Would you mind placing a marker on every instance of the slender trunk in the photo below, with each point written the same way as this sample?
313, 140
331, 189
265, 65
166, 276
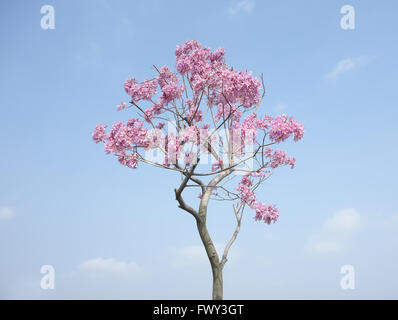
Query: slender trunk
217, 283
216, 267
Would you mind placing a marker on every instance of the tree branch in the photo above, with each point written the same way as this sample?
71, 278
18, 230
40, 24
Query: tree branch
235, 234
178, 192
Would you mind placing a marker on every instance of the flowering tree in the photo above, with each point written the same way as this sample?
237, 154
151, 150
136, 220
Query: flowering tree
202, 123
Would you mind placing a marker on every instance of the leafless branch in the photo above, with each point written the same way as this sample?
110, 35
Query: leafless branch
179, 191
238, 214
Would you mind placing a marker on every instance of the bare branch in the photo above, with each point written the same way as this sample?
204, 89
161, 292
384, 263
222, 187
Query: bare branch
235, 234
194, 179
179, 191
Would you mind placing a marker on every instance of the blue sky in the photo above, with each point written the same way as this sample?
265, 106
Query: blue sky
113, 232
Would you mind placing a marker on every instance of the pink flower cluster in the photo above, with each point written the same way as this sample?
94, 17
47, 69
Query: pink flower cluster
155, 138
249, 127
189, 134
197, 60
99, 134
130, 160
143, 91
194, 113
170, 90
169, 83
206, 69
238, 87
121, 106
247, 196
121, 139
245, 132
278, 158
282, 127
154, 110
225, 111
266, 213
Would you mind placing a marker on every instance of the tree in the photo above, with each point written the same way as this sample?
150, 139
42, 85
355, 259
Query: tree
211, 112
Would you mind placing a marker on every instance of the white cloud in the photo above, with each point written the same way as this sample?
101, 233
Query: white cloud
110, 267
346, 220
335, 233
188, 256
6, 213
325, 247
346, 65
245, 6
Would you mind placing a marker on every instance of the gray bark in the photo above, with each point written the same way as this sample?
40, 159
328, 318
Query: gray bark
216, 266
200, 217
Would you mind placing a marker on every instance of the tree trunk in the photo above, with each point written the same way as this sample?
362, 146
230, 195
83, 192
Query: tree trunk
217, 283
216, 267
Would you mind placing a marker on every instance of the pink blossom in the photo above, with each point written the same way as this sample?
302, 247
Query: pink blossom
99, 134
265, 213
143, 91
173, 148
217, 55
169, 84
261, 174
155, 139
156, 109
278, 158
282, 127
122, 137
129, 84
225, 111
264, 123
187, 47
121, 106
160, 125
129, 160
206, 69
239, 87
194, 113
189, 134
205, 138
246, 195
